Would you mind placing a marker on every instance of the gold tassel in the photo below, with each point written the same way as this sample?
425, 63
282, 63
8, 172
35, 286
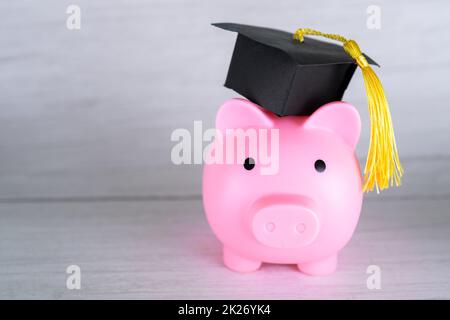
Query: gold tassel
383, 167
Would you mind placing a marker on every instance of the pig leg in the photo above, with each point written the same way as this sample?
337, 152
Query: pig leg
321, 267
238, 263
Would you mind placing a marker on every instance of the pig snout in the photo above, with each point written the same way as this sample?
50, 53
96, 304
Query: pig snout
284, 225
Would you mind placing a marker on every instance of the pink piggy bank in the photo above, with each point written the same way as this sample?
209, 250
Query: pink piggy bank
305, 211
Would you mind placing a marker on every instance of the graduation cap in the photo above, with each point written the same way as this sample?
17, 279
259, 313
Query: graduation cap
289, 74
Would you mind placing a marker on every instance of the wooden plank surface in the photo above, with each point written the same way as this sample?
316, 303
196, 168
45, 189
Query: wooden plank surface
91, 111
161, 249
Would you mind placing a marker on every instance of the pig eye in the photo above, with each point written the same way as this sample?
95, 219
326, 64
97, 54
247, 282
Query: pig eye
249, 164
320, 165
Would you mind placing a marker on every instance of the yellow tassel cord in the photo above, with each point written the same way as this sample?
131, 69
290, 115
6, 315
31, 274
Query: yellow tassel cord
383, 167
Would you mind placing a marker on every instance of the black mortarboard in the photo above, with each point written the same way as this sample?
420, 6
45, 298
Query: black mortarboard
291, 75
270, 68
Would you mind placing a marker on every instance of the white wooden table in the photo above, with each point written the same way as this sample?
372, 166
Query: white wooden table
85, 171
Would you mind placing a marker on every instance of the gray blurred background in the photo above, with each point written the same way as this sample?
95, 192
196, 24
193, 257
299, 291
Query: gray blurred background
85, 171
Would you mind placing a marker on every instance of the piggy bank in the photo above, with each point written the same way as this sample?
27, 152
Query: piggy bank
304, 210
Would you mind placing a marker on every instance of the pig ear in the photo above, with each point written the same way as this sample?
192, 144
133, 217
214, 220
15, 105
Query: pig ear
240, 113
339, 117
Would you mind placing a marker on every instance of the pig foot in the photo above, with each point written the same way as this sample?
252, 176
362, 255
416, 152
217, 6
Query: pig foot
319, 268
237, 263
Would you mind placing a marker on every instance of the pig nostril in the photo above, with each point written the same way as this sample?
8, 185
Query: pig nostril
270, 226
300, 228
